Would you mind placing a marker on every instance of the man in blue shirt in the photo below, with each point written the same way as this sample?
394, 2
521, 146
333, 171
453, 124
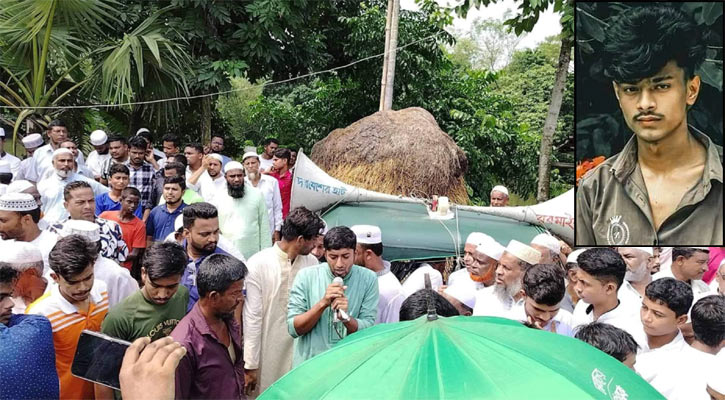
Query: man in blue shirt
162, 217
111, 201
27, 355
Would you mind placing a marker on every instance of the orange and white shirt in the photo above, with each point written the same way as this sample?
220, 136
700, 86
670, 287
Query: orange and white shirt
68, 322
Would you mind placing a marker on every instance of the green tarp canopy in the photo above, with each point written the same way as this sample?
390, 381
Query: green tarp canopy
410, 234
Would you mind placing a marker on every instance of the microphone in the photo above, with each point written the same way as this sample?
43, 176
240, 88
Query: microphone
335, 317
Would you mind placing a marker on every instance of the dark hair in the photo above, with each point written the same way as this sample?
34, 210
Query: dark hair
71, 255
7, 273
130, 191
641, 40
282, 153
74, 186
164, 259
179, 167
179, 180
117, 138
196, 146
269, 140
217, 272
676, 295
34, 214
416, 305
146, 135
118, 168
6, 178
616, 342
686, 252
301, 222
219, 135
708, 320
195, 211
138, 142
544, 283
56, 122
377, 248
340, 237
171, 138
604, 264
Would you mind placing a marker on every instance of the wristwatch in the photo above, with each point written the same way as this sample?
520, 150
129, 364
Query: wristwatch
346, 320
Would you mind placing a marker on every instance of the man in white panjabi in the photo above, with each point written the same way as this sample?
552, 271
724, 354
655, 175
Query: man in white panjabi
268, 347
503, 298
480, 257
638, 274
269, 186
548, 246
369, 254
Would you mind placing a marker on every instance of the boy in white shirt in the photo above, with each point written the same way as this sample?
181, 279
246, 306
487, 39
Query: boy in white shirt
544, 288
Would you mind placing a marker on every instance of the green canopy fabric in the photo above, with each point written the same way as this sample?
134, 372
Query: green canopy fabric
409, 234
460, 358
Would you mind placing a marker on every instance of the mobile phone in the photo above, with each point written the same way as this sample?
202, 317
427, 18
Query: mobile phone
98, 358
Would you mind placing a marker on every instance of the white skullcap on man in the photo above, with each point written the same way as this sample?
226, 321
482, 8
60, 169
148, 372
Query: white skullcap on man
4, 167
216, 157
647, 250
61, 150
499, 188
250, 154
491, 248
2, 133
523, 252
32, 141
231, 165
98, 137
19, 186
142, 130
87, 229
367, 234
548, 241
477, 238
464, 293
179, 222
17, 202
574, 256
21, 255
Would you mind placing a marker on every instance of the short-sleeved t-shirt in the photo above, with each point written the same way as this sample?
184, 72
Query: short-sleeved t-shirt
104, 202
136, 317
134, 232
160, 222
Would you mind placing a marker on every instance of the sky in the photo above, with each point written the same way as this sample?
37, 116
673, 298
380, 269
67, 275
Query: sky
548, 24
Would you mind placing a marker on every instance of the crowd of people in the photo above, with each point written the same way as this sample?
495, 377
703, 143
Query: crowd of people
198, 260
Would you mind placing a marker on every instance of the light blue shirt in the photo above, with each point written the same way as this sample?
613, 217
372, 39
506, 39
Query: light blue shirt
51, 192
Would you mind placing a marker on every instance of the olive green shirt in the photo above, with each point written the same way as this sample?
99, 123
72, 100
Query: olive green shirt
612, 204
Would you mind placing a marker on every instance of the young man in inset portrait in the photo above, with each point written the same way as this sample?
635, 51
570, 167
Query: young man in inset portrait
665, 187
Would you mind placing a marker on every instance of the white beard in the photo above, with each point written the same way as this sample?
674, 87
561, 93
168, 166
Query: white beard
253, 176
62, 173
636, 275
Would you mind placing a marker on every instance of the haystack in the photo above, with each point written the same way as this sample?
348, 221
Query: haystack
401, 152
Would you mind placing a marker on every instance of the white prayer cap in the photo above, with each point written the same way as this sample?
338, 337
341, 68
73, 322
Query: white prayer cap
87, 229
548, 241
574, 256
179, 222
17, 202
61, 150
19, 253
250, 154
464, 293
716, 374
499, 188
98, 137
142, 130
477, 238
19, 186
233, 165
491, 248
523, 252
647, 250
367, 234
2, 133
32, 141
4, 167
216, 157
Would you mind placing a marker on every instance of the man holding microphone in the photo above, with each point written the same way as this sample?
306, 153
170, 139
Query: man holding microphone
331, 300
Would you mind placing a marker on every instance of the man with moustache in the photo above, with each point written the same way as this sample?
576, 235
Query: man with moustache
481, 255
666, 184
504, 298
213, 367
638, 275
27, 261
43, 156
162, 217
19, 216
99, 141
269, 188
243, 216
118, 149
270, 145
688, 265
217, 185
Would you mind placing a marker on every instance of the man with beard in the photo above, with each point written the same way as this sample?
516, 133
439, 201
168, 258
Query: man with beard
217, 185
201, 235
322, 312
243, 216
75, 303
265, 159
195, 174
51, 188
162, 217
118, 148
268, 347
43, 156
548, 246
100, 155
213, 367
175, 166
499, 196
27, 261
688, 265
155, 309
78, 168
638, 274
19, 216
481, 254
501, 299
269, 188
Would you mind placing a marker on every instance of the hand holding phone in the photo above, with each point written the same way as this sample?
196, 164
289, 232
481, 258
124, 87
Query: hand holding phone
148, 370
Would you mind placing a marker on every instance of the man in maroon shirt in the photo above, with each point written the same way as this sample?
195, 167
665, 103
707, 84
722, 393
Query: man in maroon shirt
213, 367
280, 170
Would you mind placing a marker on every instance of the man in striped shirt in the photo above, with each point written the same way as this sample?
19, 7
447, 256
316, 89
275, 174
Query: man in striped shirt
74, 302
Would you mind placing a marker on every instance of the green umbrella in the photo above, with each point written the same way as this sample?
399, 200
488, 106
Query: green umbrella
461, 357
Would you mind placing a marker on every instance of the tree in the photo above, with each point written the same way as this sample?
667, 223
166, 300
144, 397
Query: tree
489, 44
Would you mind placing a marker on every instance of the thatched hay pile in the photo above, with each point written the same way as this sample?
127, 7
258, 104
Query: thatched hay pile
396, 152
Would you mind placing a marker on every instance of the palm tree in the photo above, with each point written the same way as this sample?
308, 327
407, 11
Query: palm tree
50, 49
